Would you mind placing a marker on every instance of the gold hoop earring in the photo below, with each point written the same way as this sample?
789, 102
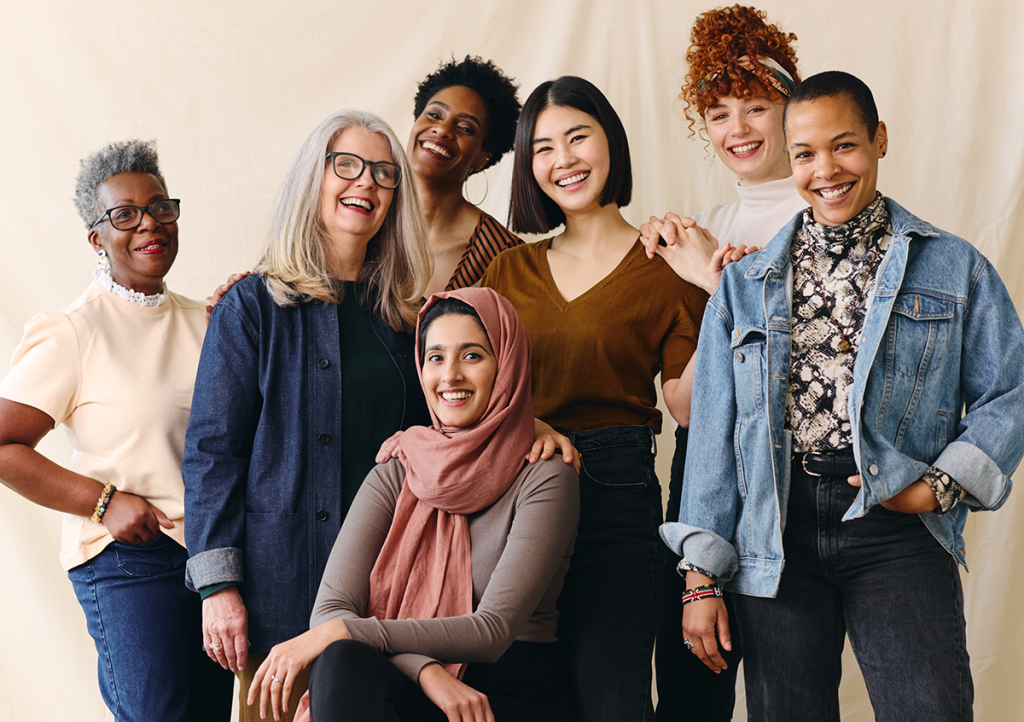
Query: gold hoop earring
465, 187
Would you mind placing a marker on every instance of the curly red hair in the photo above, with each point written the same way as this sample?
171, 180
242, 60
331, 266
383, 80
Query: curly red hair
717, 42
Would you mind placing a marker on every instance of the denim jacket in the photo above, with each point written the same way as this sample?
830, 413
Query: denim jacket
262, 463
940, 337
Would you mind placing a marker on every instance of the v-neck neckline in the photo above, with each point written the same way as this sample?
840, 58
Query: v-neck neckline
549, 279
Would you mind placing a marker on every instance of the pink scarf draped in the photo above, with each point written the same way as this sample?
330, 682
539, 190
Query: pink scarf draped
424, 570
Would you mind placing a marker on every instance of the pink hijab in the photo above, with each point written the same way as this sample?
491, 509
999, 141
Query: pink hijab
424, 570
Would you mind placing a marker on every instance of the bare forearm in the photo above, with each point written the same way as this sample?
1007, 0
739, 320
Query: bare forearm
43, 482
678, 393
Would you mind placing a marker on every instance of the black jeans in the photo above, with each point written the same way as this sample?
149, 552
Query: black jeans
609, 604
883, 579
354, 682
688, 690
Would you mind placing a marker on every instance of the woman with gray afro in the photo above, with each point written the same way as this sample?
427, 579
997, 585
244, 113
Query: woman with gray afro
116, 367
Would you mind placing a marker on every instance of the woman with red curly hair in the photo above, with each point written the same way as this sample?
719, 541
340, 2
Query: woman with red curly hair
741, 71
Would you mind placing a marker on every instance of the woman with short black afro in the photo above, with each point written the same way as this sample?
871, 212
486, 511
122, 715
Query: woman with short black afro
466, 114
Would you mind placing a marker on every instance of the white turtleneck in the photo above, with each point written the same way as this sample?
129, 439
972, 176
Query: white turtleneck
757, 216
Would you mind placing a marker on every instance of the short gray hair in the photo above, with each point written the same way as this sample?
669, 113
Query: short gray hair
126, 156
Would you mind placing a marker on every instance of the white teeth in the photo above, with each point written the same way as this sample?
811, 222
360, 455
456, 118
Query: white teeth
436, 149
361, 202
833, 193
573, 179
455, 395
740, 149
150, 246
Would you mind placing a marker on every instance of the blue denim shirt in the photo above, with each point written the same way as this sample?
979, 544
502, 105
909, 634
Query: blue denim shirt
940, 337
262, 463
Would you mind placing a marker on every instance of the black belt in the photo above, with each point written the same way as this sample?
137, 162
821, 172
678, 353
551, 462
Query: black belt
829, 463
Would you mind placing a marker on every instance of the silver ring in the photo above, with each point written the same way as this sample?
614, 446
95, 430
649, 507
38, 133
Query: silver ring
275, 678
687, 643
216, 647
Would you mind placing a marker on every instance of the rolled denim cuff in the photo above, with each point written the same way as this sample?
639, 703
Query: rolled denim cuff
215, 566
702, 547
986, 484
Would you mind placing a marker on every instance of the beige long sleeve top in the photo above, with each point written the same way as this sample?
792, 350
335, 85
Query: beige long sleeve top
520, 545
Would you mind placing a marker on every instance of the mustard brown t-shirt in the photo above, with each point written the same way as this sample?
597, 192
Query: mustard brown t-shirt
595, 357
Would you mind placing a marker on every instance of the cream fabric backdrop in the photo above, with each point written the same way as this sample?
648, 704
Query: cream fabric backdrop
230, 89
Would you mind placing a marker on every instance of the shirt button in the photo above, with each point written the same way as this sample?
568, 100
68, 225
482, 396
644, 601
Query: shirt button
323, 363
739, 357
322, 515
873, 470
324, 438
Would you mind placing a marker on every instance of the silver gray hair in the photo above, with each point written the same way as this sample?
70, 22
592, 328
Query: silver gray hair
126, 156
294, 258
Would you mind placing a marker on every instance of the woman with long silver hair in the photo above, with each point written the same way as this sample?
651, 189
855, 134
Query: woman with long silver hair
308, 366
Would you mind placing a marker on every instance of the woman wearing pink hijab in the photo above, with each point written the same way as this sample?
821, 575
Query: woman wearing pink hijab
438, 601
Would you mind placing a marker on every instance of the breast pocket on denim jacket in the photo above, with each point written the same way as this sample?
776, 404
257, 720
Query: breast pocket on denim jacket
918, 328
748, 368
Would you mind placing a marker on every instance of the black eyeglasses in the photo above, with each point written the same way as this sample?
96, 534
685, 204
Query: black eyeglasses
349, 166
128, 218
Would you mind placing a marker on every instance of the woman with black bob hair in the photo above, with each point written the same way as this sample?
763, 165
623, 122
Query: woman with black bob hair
603, 321
466, 115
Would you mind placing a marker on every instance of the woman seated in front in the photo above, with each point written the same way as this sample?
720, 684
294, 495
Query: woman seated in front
438, 601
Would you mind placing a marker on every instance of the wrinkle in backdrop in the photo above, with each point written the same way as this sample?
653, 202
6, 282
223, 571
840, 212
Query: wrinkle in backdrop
230, 89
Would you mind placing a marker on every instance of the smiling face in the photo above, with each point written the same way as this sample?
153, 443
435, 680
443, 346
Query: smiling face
570, 158
446, 141
140, 258
747, 135
835, 162
459, 369
352, 211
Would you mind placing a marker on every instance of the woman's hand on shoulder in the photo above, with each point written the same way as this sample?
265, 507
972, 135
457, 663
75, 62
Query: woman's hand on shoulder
546, 441
133, 520
459, 701
275, 678
688, 249
222, 290
723, 257
389, 449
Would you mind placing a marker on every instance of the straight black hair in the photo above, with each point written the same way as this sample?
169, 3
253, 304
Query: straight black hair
832, 83
532, 211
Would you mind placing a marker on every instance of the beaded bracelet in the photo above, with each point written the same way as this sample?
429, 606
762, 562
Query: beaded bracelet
697, 593
102, 503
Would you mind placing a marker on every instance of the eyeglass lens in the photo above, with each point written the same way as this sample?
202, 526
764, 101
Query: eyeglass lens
350, 166
125, 218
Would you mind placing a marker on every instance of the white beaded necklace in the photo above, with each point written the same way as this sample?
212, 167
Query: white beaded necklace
103, 278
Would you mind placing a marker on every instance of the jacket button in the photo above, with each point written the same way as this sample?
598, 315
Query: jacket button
322, 515
739, 357
873, 470
323, 363
324, 438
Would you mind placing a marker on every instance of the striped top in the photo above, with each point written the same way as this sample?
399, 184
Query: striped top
488, 240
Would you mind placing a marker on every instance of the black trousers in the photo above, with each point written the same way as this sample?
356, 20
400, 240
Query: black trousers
687, 690
353, 682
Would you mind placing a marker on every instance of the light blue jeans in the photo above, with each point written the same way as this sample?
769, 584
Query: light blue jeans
147, 628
